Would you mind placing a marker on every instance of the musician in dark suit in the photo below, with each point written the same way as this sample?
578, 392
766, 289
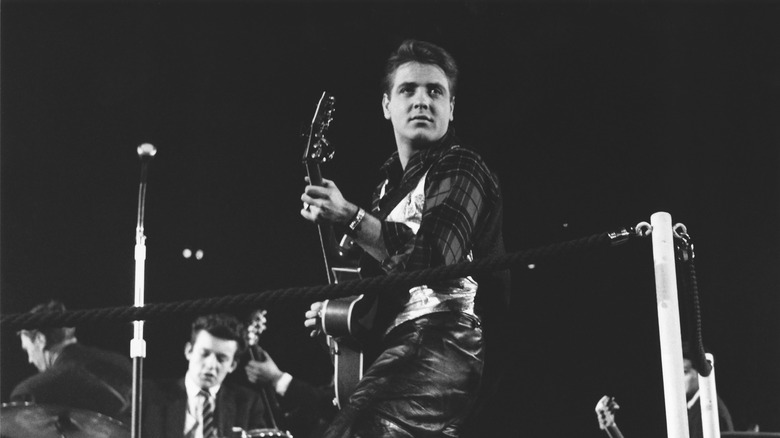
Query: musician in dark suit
72, 374
203, 404
436, 204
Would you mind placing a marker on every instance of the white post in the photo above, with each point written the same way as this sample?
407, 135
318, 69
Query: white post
708, 400
669, 325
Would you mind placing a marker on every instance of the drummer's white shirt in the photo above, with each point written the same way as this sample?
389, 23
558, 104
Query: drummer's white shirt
192, 426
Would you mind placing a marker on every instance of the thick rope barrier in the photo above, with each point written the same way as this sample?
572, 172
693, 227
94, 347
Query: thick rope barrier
239, 302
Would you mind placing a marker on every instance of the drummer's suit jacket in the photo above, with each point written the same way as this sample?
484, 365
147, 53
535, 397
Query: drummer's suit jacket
165, 408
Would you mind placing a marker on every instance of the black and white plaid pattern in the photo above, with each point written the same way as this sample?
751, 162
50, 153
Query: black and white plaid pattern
459, 193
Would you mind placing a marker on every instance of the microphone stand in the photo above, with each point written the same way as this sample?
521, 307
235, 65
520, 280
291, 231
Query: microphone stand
137, 345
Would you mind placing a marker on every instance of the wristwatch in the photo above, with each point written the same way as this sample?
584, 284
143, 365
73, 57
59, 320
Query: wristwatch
355, 222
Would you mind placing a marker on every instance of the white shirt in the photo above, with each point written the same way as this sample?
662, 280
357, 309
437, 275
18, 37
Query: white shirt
449, 295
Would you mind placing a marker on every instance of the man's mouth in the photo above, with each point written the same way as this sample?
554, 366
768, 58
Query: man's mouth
421, 118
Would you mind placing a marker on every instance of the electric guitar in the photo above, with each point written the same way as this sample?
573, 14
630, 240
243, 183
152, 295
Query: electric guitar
343, 320
605, 413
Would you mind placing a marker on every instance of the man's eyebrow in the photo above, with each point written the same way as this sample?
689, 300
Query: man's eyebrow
427, 84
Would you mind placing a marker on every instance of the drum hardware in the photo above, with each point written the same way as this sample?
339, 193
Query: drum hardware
259, 433
23, 420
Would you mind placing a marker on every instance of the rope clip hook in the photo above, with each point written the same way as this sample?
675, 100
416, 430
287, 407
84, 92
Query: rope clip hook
684, 248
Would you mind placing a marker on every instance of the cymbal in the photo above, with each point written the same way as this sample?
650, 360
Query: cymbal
19, 420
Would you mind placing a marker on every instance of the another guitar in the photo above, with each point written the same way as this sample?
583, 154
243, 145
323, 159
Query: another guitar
344, 320
605, 413
256, 326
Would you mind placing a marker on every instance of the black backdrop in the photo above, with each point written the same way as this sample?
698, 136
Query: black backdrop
594, 114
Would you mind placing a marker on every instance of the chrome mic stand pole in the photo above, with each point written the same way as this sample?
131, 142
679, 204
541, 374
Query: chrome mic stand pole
137, 345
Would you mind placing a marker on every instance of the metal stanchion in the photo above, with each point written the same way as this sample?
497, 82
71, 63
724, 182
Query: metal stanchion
669, 325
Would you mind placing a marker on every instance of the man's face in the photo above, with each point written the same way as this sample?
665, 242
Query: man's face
419, 105
34, 343
211, 359
691, 378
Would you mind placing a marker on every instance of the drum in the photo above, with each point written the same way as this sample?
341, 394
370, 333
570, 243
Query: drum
24, 420
263, 433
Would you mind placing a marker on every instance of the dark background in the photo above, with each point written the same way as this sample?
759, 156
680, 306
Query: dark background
594, 114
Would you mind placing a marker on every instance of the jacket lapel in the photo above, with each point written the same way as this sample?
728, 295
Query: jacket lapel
177, 411
225, 410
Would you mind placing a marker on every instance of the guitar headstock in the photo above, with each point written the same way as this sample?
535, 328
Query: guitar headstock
318, 149
605, 411
256, 326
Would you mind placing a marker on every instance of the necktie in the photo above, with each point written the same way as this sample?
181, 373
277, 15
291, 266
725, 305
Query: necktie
209, 429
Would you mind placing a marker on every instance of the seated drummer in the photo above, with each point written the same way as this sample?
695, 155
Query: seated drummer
202, 403
72, 374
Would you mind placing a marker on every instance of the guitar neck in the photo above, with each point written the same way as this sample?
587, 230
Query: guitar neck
613, 431
314, 173
327, 235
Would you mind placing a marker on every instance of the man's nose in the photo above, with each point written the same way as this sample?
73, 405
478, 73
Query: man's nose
421, 99
211, 361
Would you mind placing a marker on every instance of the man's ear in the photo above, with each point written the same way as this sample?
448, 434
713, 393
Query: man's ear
233, 366
385, 106
452, 108
188, 350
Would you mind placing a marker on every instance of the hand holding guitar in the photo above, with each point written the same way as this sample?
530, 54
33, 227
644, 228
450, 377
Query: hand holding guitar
263, 372
260, 368
313, 318
605, 413
325, 204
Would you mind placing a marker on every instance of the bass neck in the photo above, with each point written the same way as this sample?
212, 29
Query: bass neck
613, 431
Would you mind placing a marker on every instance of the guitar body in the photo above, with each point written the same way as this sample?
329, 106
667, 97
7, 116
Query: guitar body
348, 323
349, 317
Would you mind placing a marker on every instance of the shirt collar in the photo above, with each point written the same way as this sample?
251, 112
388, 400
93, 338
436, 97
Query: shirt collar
193, 390
422, 158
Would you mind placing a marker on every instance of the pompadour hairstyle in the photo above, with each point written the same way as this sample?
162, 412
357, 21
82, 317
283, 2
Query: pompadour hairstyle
223, 326
421, 52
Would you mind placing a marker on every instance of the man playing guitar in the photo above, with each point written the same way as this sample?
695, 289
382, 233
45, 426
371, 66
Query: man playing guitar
426, 378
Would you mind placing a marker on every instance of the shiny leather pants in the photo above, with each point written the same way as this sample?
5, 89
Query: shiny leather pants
422, 385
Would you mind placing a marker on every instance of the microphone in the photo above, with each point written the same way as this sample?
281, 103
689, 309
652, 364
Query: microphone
146, 151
